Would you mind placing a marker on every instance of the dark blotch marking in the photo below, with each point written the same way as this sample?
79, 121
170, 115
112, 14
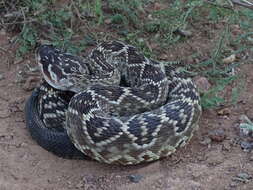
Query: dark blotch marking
111, 92
134, 57
113, 46
174, 114
147, 93
135, 128
96, 123
153, 73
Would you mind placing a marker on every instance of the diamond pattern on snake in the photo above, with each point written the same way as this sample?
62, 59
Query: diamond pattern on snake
115, 105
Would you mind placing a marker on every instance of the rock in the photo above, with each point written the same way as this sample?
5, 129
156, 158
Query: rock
3, 32
246, 146
108, 21
23, 144
229, 59
217, 135
141, 40
244, 119
135, 178
242, 177
185, 33
159, 6
226, 146
1, 76
202, 83
224, 111
246, 126
245, 130
205, 141
233, 184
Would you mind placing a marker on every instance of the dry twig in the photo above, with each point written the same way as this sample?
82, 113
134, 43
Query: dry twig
243, 3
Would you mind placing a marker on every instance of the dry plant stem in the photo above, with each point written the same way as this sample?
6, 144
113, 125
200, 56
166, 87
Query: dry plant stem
13, 14
20, 22
4, 50
9, 144
4, 117
244, 3
79, 16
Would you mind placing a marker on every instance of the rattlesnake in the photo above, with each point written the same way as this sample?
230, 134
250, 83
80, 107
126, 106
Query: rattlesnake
124, 108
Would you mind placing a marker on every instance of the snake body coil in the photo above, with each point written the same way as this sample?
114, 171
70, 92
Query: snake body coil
126, 108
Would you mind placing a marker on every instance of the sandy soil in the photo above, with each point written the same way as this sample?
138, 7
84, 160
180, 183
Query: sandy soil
199, 166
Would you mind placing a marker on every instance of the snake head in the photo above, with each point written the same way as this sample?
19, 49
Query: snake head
60, 69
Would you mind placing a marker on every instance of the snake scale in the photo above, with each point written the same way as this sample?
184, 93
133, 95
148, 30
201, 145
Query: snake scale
114, 105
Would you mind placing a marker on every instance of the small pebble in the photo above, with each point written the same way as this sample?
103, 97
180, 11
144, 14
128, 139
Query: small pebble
233, 184
3, 32
244, 119
205, 141
244, 131
242, 177
246, 146
202, 83
224, 112
246, 126
185, 33
23, 144
251, 158
159, 6
140, 40
226, 146
135, 178
229, 59
217, 135
108, 21
1, 76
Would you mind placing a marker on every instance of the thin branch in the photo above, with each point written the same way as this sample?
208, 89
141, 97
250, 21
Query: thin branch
20, 22
13, 14
217, 5
4, 117
80, 16
4, 50
243, 3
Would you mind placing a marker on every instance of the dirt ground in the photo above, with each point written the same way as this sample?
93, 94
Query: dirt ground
220, 164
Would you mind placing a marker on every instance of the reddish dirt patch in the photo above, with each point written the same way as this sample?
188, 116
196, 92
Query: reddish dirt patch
25, 165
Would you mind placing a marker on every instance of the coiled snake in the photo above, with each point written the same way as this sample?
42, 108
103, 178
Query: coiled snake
116, 106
